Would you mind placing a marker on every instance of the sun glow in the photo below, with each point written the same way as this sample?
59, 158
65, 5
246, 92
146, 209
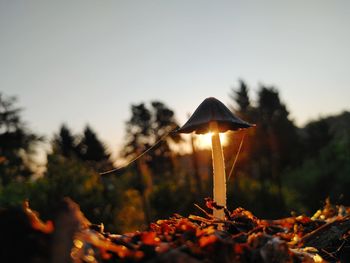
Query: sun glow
203, 141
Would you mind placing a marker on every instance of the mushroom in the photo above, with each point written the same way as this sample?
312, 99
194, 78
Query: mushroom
214, 117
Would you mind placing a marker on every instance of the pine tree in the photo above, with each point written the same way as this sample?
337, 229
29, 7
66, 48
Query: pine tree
241, 98
16, 142
65, 142
92, 150
146, 127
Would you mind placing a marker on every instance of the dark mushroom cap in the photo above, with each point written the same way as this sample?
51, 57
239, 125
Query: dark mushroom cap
210, 110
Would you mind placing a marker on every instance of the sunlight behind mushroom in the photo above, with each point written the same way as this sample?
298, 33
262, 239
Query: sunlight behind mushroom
203, 141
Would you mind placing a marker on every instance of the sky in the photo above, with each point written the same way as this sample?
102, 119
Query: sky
79, 62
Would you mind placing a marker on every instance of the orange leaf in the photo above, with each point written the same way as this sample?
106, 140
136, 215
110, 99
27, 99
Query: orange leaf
207, 240
150, 238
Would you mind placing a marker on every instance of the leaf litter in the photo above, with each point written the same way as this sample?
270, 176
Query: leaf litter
324, 237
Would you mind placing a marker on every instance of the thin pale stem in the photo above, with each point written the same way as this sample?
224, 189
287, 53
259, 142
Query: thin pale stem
219, 171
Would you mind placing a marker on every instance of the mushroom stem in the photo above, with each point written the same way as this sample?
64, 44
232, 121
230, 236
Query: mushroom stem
219, 171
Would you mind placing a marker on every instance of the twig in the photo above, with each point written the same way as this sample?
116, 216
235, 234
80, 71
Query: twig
236, 158
341, 246
201, 219
205, 212
330, 254
326, 234
138, 156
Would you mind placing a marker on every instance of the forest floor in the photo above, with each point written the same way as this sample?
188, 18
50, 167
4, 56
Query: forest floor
241, 237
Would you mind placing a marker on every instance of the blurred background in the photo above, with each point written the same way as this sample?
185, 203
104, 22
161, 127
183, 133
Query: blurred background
85, 87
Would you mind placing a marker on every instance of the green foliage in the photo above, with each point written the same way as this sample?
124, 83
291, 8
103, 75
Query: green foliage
14, 193
98, 197
131, 216
325, 172
171, 197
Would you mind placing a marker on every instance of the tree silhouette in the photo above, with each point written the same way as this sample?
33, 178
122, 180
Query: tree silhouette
65, 142
145, 128
278, 127
269, 148
150, 127
277, 137
86, 148
241, 98
316, 135
244, 108
91, 148
138, 130
16, 142
163, 122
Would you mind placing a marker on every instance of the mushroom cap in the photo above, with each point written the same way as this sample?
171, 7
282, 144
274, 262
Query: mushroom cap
211, 110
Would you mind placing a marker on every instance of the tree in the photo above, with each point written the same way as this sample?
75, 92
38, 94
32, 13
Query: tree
16, 143
163, 122
65, 143
316, 134
241, 98
145, 128
93, 151
72, 170
280, 130
268, 150
87, 148
324, 166
276, 139
243, 107
152, 174
71, 177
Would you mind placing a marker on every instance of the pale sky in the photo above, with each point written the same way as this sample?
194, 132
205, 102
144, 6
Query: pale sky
83, 62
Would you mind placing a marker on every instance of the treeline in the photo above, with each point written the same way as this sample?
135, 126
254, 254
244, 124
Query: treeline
280, 168
283, 167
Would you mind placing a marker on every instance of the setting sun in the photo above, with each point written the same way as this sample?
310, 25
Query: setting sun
203, 141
